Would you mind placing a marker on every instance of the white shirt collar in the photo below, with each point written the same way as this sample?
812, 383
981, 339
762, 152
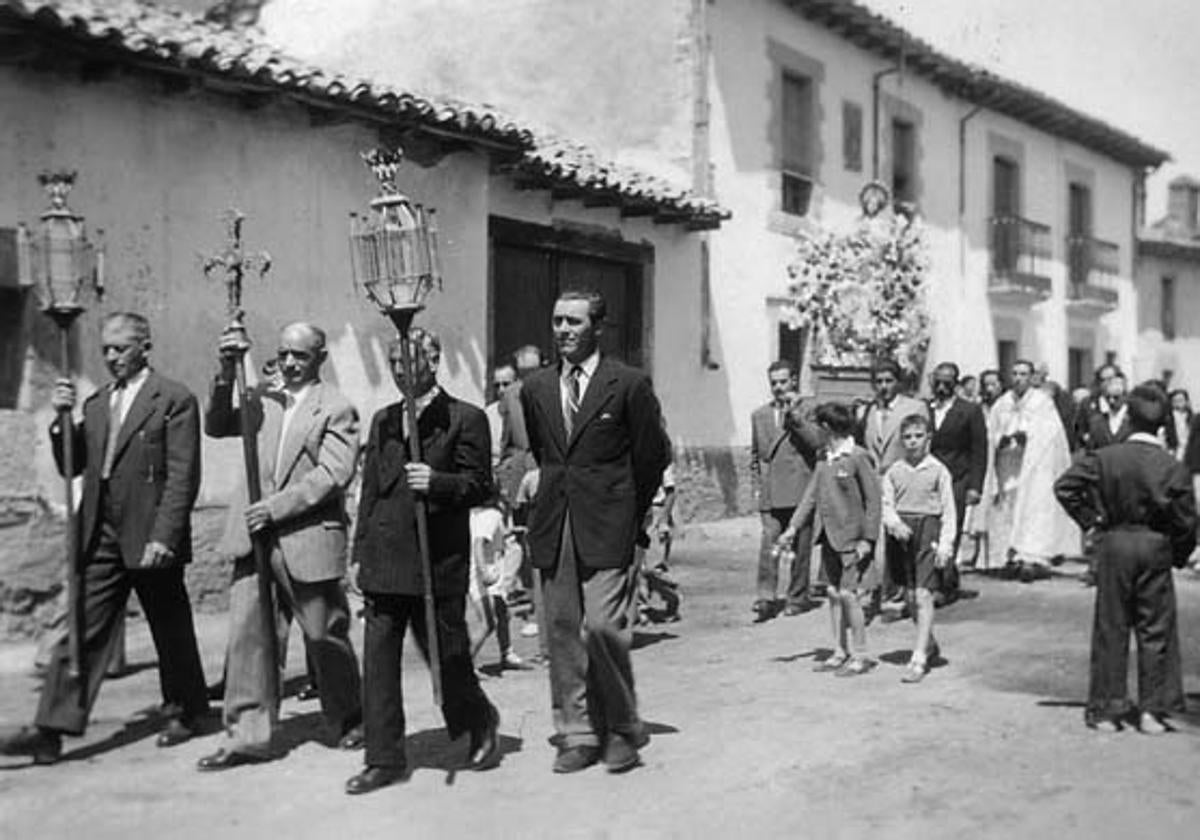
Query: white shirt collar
844, 447
134, 383
423, 401
1145, 437
927, 461
294, 398
588, 365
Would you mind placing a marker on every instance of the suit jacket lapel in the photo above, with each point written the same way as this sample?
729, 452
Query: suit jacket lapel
297, 432
270, 416
392, 455
779, 433
95, 424
549, 398
595, 397
138, 413
433, 422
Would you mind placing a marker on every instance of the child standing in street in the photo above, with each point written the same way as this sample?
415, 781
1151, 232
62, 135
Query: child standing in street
920, 520
842, 500
1137, 505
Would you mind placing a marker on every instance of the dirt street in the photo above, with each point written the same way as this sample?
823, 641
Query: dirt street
747, 740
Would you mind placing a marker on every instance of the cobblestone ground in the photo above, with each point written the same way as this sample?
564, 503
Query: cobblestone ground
747, 740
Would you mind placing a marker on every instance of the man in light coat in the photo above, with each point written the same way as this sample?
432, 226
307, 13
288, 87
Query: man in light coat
307, 450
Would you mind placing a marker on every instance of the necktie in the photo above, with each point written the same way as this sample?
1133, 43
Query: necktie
114, 429
572, 398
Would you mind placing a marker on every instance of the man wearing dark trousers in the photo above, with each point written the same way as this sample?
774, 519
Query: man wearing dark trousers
454, 475
595, 430
1136, 503
783, 450
138, 449
307, 436
959, 442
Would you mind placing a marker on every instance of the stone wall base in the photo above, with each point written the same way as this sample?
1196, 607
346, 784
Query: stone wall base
713, 483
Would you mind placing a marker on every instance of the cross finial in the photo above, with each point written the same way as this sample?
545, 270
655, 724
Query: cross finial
234, 261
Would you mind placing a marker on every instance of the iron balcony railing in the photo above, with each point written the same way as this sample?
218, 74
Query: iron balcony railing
1092, 262
1020, 248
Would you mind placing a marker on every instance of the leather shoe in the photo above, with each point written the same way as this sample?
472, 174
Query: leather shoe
485, 743
353, 739
373, 778
763, 611
801, 606
176, 733
620, 754
574, 759
224, 759
44, 746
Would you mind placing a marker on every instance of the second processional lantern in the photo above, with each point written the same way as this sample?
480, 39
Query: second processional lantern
394, 260
394, 248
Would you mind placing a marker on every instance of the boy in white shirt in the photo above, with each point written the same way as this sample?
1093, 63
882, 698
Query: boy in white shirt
920, 521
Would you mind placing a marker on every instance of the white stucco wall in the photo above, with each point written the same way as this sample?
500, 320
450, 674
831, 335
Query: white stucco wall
751, 252
1156, 353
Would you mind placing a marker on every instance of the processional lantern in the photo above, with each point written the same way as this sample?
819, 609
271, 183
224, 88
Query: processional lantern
58, 260
394, 261
56, 257
394, 248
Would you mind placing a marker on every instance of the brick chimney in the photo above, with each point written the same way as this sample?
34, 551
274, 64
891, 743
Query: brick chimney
1183, 202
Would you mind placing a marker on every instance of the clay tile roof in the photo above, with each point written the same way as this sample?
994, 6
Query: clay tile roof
170, 40
874, 32
602, 182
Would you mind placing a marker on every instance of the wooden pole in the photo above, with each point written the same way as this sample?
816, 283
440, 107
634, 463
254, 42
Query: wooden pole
77, 623
402, 318
259, 542
234, 261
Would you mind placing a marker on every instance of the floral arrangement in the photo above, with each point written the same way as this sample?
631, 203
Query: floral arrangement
863, 292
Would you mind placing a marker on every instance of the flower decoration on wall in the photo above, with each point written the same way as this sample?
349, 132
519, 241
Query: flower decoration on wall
862, 293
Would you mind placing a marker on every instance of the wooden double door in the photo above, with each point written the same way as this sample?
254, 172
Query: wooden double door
532, 264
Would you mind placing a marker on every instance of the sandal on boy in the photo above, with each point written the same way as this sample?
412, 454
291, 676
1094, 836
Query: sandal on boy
854, 667
833, 663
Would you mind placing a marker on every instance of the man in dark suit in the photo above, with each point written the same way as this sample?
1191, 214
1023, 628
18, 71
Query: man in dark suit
595, 429
783, 450
1106, 421
138, 449
959, 442
1136, 501
454, 475
307, 440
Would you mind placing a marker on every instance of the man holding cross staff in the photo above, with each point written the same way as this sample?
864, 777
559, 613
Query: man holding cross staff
306, 450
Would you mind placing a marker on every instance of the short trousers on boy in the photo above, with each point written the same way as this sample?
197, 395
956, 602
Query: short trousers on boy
844, 569
916, 557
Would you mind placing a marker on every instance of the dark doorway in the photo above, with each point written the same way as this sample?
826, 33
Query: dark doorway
532, 264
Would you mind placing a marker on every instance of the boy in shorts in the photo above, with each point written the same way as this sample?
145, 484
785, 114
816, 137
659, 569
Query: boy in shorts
842, 500
920, 520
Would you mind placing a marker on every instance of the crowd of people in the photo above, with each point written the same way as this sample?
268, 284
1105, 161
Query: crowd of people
555, 503
882, 490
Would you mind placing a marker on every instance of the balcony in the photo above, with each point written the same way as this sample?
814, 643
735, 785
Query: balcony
1092, 268
1020, 252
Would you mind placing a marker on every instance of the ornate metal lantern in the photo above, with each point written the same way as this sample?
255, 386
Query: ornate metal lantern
394, 248
56, 258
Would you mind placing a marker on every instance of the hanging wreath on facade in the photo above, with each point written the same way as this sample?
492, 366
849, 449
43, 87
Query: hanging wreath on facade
862, 293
